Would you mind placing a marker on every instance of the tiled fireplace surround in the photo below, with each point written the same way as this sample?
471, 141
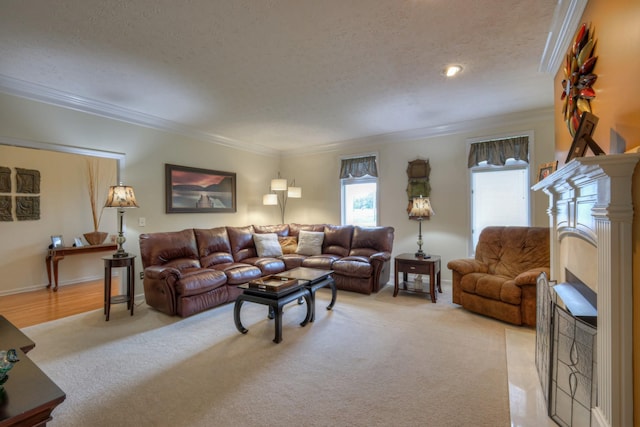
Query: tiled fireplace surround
590, 205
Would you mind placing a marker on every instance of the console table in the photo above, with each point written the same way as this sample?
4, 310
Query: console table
30, 396
56, 254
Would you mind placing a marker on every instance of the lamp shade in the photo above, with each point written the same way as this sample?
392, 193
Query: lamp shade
121, 196
294, 192
278, 184
421, 207
270, 199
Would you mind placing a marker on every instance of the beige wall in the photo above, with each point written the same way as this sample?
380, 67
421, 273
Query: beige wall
447, 233
617, 104
147, 151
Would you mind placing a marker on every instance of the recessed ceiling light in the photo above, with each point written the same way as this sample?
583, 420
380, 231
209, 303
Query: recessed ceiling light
452, 70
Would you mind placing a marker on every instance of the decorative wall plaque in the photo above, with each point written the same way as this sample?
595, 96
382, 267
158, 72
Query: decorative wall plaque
5, 180
27, 208
418, 173
5, 208
27, 181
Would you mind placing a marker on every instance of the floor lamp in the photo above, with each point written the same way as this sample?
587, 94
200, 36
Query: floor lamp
281, 191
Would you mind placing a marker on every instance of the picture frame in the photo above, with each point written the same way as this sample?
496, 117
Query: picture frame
546, 169
582, 139
57, 242
77, 242
196, 190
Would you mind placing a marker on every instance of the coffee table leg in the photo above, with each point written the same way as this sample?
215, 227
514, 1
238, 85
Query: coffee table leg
310, 309
236, 315
278, 317
334, 294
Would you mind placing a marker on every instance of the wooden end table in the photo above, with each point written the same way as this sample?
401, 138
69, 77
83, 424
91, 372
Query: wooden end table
408, 263
114, 262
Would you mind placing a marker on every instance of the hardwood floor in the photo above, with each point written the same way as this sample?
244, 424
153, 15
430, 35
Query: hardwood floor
31, 308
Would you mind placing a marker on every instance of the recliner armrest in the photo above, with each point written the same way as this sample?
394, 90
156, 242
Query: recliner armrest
161, 272
468, 265
382, 256
529, 277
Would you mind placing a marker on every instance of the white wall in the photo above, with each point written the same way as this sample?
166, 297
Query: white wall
147, 151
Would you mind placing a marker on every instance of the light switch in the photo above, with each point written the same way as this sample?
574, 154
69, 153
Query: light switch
142, 221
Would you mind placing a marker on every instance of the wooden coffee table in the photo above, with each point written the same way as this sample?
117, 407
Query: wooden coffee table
314, 279
276, 301
408, 263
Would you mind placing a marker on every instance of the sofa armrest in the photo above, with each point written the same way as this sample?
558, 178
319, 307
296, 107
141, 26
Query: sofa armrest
160, 272
466, 266
530, 277
380, 256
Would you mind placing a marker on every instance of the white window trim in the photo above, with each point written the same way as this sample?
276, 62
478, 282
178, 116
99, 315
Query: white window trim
377, 179
532, 172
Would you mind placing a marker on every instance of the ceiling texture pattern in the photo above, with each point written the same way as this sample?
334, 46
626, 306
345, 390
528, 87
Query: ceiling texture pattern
280, 75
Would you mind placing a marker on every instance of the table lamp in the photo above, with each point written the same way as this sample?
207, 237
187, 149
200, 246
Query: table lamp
421, 209
121, 197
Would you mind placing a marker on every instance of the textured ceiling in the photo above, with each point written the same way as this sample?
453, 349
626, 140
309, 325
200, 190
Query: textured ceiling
282, 74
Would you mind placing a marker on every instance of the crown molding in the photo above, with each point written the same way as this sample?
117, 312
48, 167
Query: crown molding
47, 95
58, 98
566, 19
523, 118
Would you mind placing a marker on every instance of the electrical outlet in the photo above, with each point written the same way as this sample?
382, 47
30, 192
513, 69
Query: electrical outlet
142, 221
141, 275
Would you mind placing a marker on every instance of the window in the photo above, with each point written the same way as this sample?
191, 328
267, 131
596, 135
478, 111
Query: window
359, 191
499, 184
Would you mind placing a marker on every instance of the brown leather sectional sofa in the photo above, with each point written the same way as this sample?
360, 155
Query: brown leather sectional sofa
189, 271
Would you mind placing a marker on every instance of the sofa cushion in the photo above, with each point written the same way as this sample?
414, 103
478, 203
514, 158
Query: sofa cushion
288, 244
238, 273
310, 243
282, 230
267, 245
241, 240
323, 261
337, 239
353, 266
197, 281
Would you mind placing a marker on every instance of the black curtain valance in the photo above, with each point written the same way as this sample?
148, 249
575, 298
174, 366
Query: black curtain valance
498, 151
358, 167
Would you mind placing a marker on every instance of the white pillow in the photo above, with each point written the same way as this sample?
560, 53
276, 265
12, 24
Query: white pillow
267, 245
310, 242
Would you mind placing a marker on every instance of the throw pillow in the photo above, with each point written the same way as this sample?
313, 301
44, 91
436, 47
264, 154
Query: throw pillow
310, 242
267, 245
289, 244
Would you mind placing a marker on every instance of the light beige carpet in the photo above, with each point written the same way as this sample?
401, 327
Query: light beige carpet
372, 361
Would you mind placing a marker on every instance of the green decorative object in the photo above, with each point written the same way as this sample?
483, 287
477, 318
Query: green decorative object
7, 359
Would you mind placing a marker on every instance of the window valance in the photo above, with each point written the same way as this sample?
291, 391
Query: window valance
358, 167
497, 152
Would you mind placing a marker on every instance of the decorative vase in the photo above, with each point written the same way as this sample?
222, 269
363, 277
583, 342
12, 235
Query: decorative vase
96, 237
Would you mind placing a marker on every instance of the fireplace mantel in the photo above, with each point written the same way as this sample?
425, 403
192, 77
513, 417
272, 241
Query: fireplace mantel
591, 198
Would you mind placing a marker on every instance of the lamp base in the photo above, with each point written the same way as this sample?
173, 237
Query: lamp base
120, 254
422, 255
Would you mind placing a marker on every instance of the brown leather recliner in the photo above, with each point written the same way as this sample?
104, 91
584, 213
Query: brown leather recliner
500, 282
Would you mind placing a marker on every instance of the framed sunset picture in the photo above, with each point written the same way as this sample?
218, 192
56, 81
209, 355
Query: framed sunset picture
194, 190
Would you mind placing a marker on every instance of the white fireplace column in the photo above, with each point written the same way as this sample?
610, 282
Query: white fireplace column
591, 198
